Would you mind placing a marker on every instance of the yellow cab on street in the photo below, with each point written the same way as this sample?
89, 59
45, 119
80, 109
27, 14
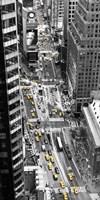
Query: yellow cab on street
29, 96
70, 176
65, 195
47, 157
75, 190
39, 133
55, 176
60, 114
30, 125
62, 184
32, 102
50, 166
36, 138
52, 159
26, 88
33, 114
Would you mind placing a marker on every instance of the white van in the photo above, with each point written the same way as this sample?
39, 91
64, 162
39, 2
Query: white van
43, 147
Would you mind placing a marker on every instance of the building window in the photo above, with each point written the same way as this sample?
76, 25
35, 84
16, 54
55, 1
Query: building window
8, 8
9, 22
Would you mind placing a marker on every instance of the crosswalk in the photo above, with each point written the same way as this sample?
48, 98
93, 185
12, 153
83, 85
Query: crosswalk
81, 189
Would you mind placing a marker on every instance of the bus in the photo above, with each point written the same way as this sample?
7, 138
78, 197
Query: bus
59, 143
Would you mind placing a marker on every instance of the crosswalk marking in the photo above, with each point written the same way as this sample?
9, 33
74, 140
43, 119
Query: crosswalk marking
81, 189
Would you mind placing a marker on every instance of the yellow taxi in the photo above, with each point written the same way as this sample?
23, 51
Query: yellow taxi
36, 81
62, 184
55, 110
29, 96
33, 114
26, 88
65, 195
36, 138
39, 133
52, 159
30, 125
70, 176
60, 114
50, 166
32, 102
55, 176
75, 189
47, 156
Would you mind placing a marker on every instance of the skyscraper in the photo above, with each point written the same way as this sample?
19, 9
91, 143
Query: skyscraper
11, 155
57, 12
84, 51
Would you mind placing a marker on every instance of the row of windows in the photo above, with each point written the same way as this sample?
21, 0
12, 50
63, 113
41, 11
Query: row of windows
71, 16
86, 86
73, 3
8, 8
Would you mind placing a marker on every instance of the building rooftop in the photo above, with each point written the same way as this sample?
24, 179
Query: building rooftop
92, 114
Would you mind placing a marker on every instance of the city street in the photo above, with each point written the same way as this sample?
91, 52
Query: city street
44, 107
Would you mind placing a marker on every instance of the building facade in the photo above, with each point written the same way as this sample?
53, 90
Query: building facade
83, 67
11, 155
71, 6
57, 12
92, 143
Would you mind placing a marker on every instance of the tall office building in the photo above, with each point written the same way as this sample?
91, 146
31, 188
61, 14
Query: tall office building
11, 155
57, 12
84, 51
68, 16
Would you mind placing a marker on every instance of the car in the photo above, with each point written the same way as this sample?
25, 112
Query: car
62, 184
52, 159
43, 147
75, 189
26, 88
45, 141
59, 191
29, 96
30, 125
32, 102
55, 110
42, 130
60, 114
70, 176
36, 133
55, 176
38, 121
65, 195
50, 114
57, 170
50, 166
43, 110
36, 138
33, 114
47, 157
39, 133
49, 152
